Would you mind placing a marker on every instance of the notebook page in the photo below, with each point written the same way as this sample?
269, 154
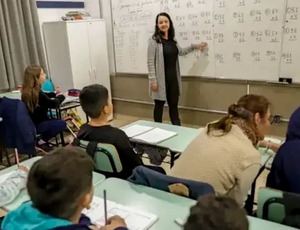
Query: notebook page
4, 177
135, 130
135, 219
155, 136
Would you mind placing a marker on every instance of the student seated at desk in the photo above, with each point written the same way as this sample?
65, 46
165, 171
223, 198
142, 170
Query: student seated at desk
11, 187
95, 102
60, 187
225, 154
285, 171
216, 213
38, 104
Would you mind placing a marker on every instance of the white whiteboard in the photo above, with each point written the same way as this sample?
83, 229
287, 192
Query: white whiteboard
248, 39
290, 62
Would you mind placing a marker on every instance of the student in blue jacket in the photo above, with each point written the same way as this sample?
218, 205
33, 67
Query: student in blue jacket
60, 187
285, 171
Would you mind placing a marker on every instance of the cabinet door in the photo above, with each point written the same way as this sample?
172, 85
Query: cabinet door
99, 53
78, 37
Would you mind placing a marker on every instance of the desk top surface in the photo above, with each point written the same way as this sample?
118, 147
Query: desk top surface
177, 143
165, 205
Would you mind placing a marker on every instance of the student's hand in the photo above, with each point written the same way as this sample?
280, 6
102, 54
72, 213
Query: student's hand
202, 46
113, 223
154, 87
270, 145
23, 168
62, 93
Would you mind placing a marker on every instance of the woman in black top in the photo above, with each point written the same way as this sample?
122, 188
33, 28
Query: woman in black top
163, 67
38, 104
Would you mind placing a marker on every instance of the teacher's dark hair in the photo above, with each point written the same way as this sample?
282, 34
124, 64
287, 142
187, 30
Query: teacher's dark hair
157, 36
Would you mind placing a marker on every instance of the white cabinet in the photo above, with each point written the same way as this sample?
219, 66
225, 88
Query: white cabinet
77, 53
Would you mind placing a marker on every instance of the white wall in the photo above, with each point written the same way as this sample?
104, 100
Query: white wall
51, 14
93, 7
46, 15
107, 16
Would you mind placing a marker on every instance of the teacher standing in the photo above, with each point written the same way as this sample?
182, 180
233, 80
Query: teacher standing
163, 67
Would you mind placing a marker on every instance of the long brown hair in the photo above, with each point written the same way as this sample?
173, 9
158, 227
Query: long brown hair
245, 108
31, 87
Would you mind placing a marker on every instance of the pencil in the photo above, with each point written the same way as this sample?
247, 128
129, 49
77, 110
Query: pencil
17, 157
105, 206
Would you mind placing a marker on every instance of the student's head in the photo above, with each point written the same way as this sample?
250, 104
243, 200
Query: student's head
254, 109
34, 77
163, 25
216, 213
60, 184
95, 101
293, 131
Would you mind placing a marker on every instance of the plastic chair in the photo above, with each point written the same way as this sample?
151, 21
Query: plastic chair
105, 156
270, 205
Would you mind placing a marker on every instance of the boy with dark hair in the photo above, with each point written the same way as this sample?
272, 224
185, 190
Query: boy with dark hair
60, 187
216, 213
95, 102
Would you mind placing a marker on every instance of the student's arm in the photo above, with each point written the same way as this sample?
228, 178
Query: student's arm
11, 188
151, 61
244, 183
269, 145
115, 223
51, 102
50, 94
276, 178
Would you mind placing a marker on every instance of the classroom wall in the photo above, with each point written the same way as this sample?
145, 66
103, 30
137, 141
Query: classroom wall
203, 100
55, 14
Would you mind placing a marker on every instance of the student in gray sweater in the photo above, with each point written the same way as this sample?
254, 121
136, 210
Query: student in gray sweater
163, 67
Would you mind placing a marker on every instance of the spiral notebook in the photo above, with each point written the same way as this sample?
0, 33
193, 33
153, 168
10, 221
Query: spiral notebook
134, 218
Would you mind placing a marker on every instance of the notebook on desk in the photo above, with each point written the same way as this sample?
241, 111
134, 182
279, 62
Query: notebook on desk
134, 130
3, 177
135, 219
155, 136
69, 99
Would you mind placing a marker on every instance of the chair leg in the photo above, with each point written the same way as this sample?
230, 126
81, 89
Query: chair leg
6, 155
1, 155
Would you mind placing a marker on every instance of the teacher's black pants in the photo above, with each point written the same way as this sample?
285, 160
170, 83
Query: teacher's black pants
172, 94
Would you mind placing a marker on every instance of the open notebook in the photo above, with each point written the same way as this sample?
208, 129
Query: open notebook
3, 177
134, 130
135, 219
155, 136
